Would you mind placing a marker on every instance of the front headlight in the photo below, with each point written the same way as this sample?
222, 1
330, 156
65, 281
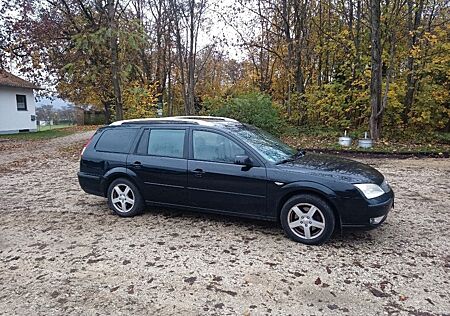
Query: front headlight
370, 190
385, 186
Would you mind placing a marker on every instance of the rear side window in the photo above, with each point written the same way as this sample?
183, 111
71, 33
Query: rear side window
143, 143
166, 143
116, 140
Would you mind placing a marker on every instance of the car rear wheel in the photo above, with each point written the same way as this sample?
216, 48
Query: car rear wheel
307, 219
124, 198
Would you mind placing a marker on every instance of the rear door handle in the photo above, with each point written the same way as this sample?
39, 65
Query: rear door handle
198, 172
136, 164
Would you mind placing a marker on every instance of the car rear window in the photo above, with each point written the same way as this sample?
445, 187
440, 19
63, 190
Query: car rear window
117, 140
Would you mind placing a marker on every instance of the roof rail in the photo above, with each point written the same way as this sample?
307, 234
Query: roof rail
152, 120
206, 118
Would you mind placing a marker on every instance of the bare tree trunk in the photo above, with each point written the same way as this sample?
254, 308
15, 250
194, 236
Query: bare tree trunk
140, 17
299, 14
187, 49
328, 71
288, 60
159, 10
169, 65
169, 88
180, 52
411, 78
107, 108
115, 67
190, 106
392, 47
375, 81
358, 36
319, 63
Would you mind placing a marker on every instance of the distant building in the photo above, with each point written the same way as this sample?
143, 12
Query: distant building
88, 115
17, 105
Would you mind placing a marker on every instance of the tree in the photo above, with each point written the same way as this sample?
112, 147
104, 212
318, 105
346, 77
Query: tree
45, 112
114, 48
341, 64
187, 18
414, 18
376, 115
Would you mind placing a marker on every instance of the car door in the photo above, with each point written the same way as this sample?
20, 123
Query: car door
215, 182
160, 165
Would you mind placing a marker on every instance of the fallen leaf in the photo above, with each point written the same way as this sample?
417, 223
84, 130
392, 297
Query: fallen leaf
130, 289
377, 292
402, 298
190, 280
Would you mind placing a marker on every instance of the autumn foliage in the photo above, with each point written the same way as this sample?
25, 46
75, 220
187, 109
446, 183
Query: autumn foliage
301, 63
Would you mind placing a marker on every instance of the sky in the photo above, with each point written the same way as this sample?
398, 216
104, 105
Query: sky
57, 103
221, 27
217, 28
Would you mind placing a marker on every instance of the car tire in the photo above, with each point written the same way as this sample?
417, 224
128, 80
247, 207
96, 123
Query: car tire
307, 219
124, 198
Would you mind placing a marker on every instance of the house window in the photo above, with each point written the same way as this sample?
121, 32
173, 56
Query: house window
21, 102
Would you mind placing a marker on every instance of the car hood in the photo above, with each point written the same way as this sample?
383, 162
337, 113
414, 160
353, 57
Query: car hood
336, 167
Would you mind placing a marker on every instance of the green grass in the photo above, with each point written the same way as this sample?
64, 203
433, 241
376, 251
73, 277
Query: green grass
443, 138
51, 127
49, 133
400, 142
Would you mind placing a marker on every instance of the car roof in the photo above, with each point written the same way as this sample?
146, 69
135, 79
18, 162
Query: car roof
190, 120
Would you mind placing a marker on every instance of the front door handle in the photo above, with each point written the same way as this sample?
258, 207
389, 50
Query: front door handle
198, 173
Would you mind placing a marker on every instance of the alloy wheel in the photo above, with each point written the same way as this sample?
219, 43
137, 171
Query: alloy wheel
306, 221
122, 198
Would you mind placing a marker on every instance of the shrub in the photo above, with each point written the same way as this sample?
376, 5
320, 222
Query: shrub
252, 108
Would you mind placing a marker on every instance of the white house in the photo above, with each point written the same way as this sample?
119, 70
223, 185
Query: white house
17, 105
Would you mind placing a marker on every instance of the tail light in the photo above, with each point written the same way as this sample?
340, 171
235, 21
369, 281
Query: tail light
85, 145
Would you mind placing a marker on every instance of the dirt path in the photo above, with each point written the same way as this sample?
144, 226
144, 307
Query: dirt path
63, 252
33, 149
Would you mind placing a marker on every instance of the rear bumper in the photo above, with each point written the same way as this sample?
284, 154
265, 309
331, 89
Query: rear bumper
91, 184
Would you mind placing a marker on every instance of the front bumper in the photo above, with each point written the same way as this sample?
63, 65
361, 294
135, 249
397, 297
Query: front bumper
369, 214
380, 213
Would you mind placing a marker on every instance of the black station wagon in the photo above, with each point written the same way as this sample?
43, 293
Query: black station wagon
219, 165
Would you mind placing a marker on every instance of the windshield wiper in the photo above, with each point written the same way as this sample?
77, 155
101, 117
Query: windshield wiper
298, 154
284, 161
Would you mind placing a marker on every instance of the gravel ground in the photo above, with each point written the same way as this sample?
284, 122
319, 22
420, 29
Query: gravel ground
62, 251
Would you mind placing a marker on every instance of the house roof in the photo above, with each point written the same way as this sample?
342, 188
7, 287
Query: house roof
9, 80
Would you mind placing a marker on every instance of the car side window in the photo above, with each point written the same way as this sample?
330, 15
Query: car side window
142, 147
116, 140
211, 146
166, 142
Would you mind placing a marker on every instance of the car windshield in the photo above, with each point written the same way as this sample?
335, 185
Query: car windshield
270, 147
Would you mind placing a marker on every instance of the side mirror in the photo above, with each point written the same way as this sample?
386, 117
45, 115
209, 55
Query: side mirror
243, 160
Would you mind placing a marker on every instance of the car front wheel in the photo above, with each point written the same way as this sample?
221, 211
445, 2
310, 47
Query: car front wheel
307, 219
124, 198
